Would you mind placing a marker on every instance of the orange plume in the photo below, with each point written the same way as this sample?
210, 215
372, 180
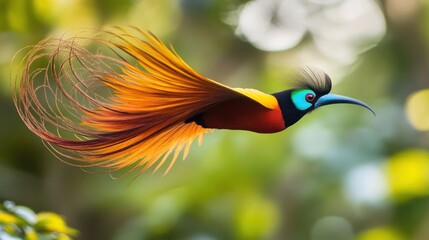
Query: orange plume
94, 105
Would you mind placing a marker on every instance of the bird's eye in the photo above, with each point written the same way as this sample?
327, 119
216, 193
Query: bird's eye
303, 99
309, 97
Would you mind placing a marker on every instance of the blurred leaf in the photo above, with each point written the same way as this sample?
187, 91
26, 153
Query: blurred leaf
19, 221
7, 218
31, 235
52, 222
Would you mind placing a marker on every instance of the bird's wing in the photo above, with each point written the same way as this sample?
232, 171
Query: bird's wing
266, 100
99, 109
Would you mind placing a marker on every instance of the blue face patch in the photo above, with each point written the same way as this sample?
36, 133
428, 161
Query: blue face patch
300, 99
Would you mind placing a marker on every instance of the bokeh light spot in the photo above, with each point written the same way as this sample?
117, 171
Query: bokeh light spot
381, 233
320, 143
166, 13
52, 10
417, 110
332, 227
366, 184
408, 174
17, 16
256, 218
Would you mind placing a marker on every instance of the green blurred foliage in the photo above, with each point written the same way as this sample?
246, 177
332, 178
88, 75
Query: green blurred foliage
339, 173
18, 222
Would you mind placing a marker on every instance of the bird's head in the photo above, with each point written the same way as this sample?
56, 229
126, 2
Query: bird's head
311, 91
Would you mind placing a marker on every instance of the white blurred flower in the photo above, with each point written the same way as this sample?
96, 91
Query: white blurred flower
341, 29
273, 25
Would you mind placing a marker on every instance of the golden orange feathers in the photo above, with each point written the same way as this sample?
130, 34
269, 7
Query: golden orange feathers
92, 105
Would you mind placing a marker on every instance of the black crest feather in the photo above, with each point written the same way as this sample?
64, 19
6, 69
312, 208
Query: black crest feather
314, 79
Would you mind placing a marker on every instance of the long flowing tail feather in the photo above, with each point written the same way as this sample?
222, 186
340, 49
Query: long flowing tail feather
122, 105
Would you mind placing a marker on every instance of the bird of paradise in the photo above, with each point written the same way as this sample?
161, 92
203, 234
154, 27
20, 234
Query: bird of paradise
103, 109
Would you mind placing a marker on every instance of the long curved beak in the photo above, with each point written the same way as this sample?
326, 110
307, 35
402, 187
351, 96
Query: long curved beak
334, 99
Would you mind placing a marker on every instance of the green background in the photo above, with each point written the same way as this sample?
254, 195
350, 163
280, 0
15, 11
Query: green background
339, 173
